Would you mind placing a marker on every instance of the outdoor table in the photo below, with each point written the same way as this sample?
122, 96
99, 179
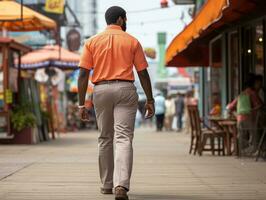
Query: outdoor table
228, 125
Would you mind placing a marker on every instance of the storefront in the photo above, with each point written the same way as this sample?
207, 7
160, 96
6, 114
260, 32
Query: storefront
9, 51
234, 54
227, 40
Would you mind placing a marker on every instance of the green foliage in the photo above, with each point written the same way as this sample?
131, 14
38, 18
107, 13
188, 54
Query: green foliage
22, 117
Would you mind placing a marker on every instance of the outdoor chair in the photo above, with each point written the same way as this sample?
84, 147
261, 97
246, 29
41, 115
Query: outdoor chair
194, 138
200, 135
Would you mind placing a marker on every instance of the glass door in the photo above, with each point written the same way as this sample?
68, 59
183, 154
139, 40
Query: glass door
234, 69
259, 58
247, 53
215, 77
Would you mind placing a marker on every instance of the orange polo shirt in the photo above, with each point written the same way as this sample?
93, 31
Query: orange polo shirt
112, 55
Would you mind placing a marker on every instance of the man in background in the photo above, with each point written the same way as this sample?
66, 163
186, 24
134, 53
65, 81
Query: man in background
159, 111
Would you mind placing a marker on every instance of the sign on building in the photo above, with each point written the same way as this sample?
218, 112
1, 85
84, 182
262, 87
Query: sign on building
55, 6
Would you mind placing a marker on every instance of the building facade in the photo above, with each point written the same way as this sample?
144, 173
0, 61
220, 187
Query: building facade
226, 39
86, 11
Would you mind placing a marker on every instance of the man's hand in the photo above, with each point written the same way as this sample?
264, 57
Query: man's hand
83, 114
149, 110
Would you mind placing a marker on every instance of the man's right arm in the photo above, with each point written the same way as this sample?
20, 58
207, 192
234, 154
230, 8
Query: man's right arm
146, 85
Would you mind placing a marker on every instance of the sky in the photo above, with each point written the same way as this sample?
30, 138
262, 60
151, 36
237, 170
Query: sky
145, 25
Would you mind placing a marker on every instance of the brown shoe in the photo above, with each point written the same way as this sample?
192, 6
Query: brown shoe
121, 193
106, 191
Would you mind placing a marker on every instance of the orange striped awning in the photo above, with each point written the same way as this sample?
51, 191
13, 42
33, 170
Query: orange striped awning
12, 19
190, 47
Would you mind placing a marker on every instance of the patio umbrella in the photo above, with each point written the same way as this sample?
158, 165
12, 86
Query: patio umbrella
50, 56
11, 18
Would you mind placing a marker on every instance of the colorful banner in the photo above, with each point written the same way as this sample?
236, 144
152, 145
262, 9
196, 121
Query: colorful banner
55, 6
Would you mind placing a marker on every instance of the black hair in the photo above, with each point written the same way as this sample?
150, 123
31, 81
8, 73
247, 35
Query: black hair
250, 81
113, 13
259, 78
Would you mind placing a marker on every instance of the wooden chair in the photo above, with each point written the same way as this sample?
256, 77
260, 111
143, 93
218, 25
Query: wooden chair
200, 136
194, 138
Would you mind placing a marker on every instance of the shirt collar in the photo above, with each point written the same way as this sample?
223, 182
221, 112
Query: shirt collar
112, 26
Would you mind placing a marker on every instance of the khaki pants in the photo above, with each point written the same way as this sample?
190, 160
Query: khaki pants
115, 106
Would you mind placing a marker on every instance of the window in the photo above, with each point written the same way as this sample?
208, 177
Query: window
259, 55
215, 76
13, 72
3, 119
1, 59
233, 65
1, 80
259, 59
247, 53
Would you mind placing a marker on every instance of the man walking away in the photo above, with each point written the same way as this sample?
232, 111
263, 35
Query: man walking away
159, 111
112, 55
179, 105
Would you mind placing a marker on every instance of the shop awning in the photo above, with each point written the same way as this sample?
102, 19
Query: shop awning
190, 47
12, 20
14, 44
50, 56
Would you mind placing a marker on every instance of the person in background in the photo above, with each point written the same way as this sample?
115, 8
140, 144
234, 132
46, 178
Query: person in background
179, 106
217, 108
247, 105
261, 115
169, 113
159, 110
258, 86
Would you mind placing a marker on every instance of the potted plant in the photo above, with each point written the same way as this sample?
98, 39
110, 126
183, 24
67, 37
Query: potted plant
23, 121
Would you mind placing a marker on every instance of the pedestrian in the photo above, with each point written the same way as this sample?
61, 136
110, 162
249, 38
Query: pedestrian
112, 55
258, 86
169, 113
159, 110
247, 105
179, 106
216, 109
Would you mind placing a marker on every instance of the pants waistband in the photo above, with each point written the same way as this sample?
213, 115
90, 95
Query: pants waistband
112, 82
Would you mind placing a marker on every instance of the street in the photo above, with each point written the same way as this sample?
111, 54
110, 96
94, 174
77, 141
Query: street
67, 169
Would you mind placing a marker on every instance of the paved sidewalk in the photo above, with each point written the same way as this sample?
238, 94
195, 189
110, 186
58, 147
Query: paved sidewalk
66, 169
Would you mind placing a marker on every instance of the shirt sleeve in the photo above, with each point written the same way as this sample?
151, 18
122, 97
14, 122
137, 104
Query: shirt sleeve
86, 60
140, 61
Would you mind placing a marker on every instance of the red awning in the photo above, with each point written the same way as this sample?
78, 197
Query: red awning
191, 46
